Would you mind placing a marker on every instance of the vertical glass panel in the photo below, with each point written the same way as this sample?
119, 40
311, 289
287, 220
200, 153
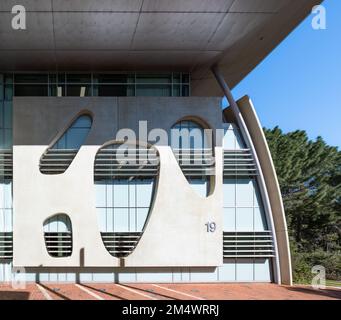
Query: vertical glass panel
144, 190
227, 272
154, 78
229, 139
28, 78
153, 90
142, 214
9, 92
185, 90
133, 194
121, 193
185, 77
244, 270
109, 215
73, 90
102, 219
121, 219
30, 90
74, 137
176, 91
133, 220
7, 114
229, 192
244, 219
260, 220
100, 190
244, 193
78, 78
262, 270
229, 219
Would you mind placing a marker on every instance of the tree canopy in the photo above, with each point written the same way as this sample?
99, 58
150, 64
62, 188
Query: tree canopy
309, 174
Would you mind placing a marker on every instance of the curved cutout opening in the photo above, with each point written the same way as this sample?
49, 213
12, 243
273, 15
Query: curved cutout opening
59, 156
125, 177
58, 235
192, 147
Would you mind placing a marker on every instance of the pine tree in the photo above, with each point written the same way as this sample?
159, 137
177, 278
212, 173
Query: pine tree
309, 174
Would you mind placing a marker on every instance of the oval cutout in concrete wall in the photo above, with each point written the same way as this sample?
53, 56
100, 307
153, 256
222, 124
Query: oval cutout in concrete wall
125, 180
193, 150
58, 235
57, 158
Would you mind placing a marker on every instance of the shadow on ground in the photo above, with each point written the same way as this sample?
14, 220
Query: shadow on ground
330, 293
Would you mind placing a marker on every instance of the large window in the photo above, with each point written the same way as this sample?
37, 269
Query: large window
75, 136
97, 84
124, 186
193, 149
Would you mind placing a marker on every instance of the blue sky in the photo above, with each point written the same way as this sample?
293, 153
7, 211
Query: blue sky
298, 86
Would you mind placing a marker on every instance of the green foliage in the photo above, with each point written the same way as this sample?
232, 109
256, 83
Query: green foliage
309, 174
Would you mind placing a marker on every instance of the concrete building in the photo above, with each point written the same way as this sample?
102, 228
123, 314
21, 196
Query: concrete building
194, 195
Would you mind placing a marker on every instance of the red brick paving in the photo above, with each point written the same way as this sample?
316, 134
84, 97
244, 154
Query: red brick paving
134, 291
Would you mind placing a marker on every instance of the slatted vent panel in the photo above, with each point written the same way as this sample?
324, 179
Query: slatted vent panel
6, 245
195, 162
6, 164
239, 163
56, 161
58, 244
248, 244
110, 163
120, 244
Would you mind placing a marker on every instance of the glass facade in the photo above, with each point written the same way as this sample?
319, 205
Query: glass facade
243, 218
96, 84
190, 143
74, 137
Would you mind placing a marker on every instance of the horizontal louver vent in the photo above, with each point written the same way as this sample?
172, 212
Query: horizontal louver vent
239, 163
248, 244
195, 162
58, 244
6, 245
56, 161
111, 163
6, 164
120, 244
